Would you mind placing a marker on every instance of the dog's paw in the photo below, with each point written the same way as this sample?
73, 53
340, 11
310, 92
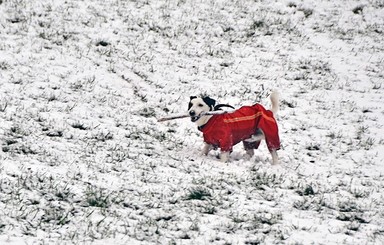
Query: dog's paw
275, 158
224, 157
206, 149
247, 157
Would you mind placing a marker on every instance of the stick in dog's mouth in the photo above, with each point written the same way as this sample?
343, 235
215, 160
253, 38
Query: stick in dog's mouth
195, 118
207, 113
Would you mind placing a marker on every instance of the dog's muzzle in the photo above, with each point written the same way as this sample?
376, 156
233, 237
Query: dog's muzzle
193, 116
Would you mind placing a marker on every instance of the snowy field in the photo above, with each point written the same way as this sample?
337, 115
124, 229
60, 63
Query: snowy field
83, 159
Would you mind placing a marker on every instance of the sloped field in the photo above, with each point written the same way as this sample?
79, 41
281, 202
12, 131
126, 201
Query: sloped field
83, 159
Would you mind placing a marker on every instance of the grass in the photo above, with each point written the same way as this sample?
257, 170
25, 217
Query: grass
260, 180
83, 159
96, 197
198, 193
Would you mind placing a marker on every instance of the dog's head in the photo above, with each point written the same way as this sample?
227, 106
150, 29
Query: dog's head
198, 105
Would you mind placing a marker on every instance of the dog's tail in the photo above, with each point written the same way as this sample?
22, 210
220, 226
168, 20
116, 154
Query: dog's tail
275, 102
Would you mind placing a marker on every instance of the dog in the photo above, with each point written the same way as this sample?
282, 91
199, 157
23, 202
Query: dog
248, 124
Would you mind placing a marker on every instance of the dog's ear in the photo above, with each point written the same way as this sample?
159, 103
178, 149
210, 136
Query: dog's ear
210, 102
192, 97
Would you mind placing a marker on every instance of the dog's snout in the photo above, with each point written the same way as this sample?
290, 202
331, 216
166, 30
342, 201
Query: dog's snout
192, 113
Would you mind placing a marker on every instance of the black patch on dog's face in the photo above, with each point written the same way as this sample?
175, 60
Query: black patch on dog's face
207, 100
210, 102
190, 103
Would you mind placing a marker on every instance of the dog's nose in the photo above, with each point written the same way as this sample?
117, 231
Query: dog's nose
192, 113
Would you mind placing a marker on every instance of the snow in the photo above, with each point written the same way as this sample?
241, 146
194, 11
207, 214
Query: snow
84, 160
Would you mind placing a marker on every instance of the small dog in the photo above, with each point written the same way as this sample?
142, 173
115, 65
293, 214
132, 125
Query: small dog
248, 124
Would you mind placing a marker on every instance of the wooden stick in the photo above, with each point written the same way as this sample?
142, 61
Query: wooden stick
163, 119
208, 113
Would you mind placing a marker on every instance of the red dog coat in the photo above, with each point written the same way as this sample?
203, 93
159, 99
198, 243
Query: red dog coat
226, 130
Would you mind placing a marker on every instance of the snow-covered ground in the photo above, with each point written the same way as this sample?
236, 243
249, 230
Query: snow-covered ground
83, 159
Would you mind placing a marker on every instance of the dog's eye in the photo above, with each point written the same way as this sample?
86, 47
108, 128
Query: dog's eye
200, 105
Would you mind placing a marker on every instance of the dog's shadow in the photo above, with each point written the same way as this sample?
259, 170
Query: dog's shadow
239, 156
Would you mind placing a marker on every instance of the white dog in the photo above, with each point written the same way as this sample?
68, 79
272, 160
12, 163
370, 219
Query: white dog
248, 124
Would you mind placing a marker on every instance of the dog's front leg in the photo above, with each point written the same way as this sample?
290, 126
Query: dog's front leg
206, 149
224, 156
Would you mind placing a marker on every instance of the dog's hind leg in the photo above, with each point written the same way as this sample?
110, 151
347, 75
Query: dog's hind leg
249, 153
250, 147
275, 158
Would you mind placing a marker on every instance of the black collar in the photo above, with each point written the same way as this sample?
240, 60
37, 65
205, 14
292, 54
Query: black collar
201, 127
